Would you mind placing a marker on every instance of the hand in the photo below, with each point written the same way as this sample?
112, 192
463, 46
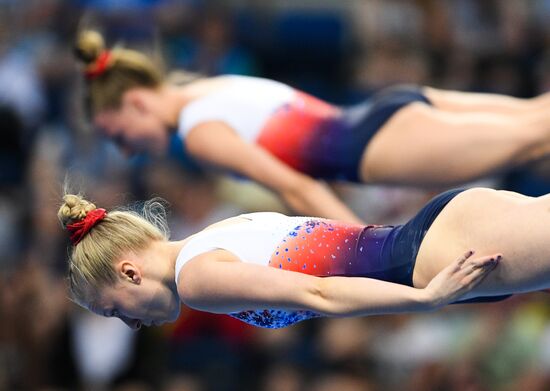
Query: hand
459, 278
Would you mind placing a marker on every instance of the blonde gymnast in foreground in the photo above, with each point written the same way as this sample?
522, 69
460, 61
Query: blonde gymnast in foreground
271, 270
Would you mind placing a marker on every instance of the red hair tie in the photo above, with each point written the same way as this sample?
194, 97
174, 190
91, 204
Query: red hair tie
99, 66
79, 229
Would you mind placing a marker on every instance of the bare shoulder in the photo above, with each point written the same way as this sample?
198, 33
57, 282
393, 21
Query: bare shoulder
218, 143
200, 261
195, 276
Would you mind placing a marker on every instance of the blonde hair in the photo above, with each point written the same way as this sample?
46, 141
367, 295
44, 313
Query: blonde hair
91, 260
124, 70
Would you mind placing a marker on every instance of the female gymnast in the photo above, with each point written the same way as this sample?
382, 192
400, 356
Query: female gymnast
271, 270
286, 139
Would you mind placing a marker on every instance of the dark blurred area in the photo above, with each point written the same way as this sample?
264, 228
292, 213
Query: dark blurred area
337, 50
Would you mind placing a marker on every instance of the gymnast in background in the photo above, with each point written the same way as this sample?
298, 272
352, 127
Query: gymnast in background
288, 140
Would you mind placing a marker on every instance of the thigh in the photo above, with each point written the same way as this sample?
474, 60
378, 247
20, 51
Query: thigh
490, 221
421, 145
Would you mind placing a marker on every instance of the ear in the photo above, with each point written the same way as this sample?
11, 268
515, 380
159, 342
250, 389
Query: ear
137, 99
130, 272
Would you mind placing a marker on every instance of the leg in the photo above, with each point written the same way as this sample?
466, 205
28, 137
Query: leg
421, 145
469, 102
491, 221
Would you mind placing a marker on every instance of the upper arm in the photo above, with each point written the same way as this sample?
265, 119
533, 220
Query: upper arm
218, 143
219, 282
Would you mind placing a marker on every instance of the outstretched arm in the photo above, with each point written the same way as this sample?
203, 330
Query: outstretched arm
300, 192
218, 282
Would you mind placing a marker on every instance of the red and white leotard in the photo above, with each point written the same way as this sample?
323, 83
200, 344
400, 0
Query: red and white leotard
307, 245
310, 135
299, 129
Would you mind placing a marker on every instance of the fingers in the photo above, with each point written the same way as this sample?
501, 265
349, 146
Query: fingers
461, 276
460, 261
465, 256
487, 261
472, 280
476, 272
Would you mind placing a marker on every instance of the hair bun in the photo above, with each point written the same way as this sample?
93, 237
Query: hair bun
89, 46
74, 208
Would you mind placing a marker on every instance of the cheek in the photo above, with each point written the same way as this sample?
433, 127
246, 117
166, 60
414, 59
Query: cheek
131, 307
127, 301
144, 126
155, 126
142, 302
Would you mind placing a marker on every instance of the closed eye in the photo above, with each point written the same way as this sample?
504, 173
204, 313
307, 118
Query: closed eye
119, 140
112, 314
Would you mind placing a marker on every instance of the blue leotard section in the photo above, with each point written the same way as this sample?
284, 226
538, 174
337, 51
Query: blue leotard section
341, 149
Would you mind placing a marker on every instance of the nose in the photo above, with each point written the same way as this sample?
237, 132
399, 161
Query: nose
126, 151
134, 324
103, 128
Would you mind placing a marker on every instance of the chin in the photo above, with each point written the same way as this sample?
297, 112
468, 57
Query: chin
158, 148
157, 152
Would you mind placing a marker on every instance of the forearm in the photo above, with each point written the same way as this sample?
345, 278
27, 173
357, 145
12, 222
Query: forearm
345, 296
313, 198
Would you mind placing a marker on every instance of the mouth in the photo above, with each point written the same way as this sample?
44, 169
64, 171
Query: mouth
127, 148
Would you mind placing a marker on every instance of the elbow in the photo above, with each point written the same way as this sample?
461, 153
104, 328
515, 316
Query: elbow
186, 295
322, 301
192, 299
303, 184
296, 192
189, 291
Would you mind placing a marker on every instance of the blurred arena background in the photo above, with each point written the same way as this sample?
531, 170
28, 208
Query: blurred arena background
338, 50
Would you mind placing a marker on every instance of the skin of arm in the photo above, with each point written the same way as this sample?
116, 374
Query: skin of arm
302, 193
217, 281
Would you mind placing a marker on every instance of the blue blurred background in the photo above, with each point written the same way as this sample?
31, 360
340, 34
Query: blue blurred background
337, 50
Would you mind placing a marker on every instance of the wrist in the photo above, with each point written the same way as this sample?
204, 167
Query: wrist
427, 301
